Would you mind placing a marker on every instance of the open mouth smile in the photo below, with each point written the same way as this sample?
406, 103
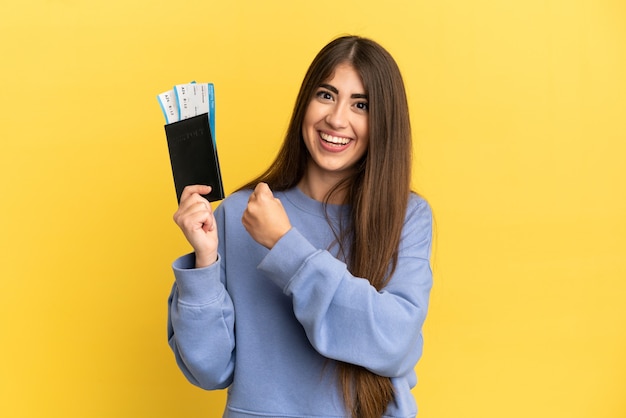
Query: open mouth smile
335, 140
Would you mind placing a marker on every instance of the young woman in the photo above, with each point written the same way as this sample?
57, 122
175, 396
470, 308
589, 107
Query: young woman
308, 288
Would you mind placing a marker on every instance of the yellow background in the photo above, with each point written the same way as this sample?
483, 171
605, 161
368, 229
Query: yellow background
519, 116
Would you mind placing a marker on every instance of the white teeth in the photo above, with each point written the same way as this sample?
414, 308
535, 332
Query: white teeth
334, 139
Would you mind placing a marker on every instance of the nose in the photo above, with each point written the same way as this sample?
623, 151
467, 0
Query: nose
338, 116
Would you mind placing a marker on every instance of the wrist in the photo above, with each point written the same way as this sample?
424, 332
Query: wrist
205, 260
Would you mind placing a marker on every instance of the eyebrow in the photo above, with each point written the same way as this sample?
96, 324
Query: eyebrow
334, 90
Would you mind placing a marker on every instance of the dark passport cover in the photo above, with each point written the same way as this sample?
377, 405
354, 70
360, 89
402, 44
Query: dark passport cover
193, 156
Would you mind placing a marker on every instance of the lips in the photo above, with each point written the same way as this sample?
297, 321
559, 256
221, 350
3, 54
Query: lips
335, 140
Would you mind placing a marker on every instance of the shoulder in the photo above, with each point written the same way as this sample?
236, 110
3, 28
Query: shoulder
235, 201
231, 209
418, 227
418, 209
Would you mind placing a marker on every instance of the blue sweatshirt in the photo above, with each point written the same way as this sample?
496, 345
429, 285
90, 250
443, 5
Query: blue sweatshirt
269, 324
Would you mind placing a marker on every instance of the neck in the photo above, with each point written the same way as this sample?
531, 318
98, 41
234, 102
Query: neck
318, 187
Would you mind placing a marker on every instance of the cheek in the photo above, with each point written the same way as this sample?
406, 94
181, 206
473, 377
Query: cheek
308, 121
365, 137
364, 131
308, 131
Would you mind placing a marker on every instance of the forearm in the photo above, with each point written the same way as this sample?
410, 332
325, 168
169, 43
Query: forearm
346, 318
201, 325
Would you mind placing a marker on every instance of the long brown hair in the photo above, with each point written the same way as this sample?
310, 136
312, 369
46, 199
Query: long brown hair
377, 191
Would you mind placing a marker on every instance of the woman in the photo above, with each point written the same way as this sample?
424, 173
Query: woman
308, 288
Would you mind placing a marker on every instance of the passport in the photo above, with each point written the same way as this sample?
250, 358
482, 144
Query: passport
193, 155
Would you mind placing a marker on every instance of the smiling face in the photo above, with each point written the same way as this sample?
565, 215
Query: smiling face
335, 126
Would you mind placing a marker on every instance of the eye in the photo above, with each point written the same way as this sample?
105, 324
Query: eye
364, 106
324, 95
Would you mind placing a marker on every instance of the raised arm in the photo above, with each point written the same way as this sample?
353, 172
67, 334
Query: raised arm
347, 319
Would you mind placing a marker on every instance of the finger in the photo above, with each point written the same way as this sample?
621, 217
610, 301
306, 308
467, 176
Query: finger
245, 220
209, 223
200, 189
191, 208
191, 200
262, 189
192, 221
196, 220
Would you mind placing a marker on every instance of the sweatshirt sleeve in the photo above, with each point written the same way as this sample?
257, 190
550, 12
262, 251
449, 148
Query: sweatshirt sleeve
345, 317
201, 324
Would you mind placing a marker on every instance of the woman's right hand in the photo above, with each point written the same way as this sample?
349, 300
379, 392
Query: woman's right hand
195, 218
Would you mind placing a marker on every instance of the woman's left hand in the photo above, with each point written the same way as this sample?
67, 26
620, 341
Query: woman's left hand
265, 218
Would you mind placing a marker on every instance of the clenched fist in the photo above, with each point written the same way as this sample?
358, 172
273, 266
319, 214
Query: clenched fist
195, 218
265, 218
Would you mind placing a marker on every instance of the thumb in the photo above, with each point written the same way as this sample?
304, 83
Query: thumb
262, 189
